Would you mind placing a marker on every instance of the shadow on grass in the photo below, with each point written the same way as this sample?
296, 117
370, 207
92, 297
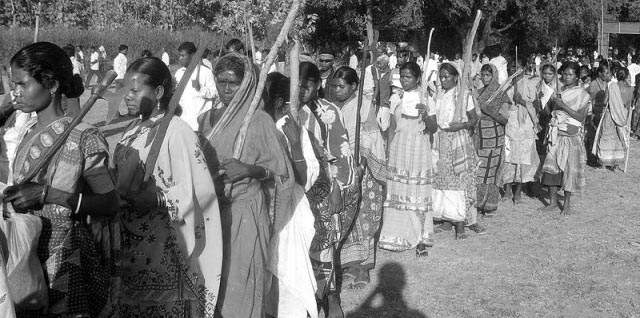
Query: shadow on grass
392, 305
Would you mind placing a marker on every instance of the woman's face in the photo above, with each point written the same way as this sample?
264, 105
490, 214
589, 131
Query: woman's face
343, 90
308, 91
29, 95
570, 77
227, 83
447, 80
408, 80
584, 73
486, 77
547, 75
606, 75
141, 98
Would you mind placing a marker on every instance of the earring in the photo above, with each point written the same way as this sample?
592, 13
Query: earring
52, 93
158, 105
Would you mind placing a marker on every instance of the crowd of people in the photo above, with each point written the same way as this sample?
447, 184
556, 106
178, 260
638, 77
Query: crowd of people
224, 210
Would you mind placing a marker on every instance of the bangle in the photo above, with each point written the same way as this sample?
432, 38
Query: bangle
298, 160
79, 202
43, 195
267, 175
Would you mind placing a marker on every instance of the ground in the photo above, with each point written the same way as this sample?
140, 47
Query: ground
529, 264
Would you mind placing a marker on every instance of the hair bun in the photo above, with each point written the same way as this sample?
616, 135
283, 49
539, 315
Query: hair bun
75, 87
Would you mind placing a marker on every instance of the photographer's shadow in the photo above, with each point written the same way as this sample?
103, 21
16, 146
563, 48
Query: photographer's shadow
391, 283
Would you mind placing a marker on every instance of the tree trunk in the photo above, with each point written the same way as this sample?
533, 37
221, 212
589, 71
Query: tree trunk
14, 22
371, 34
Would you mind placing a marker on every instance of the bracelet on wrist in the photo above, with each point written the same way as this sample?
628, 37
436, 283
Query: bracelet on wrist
43, 195
267, 175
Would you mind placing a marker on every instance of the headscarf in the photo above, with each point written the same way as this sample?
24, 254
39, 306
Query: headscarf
487, 91
228, 127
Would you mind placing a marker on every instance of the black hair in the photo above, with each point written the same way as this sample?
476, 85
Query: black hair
603, 66
146, 53
586, 68
122, 47
92, 48
230, 63
280, 88
326, 50
234, 44
158, 74
572, 65
487, 68
622, 73
70, 50
347, 74
188, 47
309, 71
269, 93
548, 67
47, 63
450, 69
405, 53
414, 68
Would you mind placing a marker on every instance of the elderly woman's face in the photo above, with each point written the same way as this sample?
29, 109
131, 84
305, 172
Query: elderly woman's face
343, 89
29, 95
227, 83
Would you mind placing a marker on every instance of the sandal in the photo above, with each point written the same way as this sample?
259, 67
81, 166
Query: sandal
361, 281
479, 229
421, 250
444, 227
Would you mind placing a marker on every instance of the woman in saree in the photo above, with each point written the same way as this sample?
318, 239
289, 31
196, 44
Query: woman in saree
490, 140
451, 118
358, 254
598, 91
566, 156
612, 137
521, 157
76, 251
244, 204
334, 199
408, 221
172, 241
293, 285
544, 90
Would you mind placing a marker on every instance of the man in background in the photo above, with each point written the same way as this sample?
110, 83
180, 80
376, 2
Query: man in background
94, 67
120, 65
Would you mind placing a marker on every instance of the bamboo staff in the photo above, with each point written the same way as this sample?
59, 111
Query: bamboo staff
50, 153
424, 88
628, 135
294, 84
360, 96
293, 12
36, 31
154, 151
464, 77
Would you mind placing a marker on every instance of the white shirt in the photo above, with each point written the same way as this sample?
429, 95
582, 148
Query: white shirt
369, 84
393, 61
445, 108
431, 68
207, 63
120, 65
634, 69
353, 61
94, 61
165, 58
194, 102
501, 65
76, 65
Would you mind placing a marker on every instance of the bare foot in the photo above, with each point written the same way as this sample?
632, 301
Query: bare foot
517, 199
567, 211
508, 195
550, 208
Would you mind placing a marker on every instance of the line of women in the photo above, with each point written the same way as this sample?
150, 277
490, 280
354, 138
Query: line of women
204, 230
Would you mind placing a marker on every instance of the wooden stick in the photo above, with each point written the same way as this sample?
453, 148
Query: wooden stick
464, 77
363, 69
424, 88
293, 12
96, 93
628, 135
154, 151
294, 84
504, 86
36, 31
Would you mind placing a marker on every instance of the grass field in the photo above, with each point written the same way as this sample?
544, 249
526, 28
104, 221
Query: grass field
529, 264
